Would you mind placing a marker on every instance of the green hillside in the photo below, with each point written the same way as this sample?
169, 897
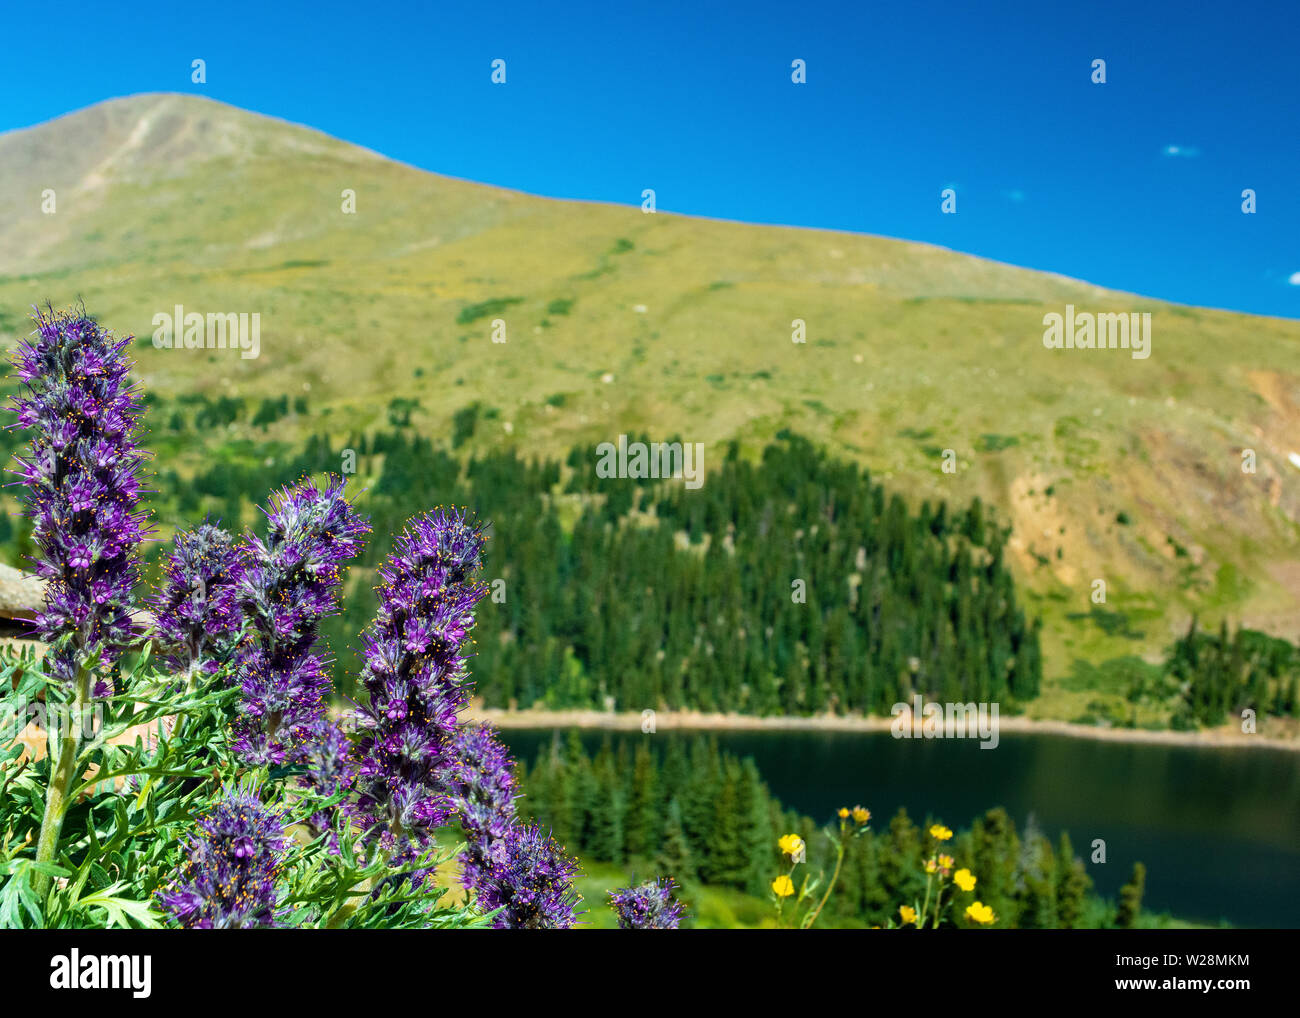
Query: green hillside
1106, 467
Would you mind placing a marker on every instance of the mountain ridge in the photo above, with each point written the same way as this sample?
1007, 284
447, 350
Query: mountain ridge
143, 108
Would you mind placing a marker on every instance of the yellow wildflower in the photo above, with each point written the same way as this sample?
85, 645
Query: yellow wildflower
940, 833
790, 844
931, 866
945, 862
860, 815
783, 886
844, 812
964, 879
907, 913
980, 913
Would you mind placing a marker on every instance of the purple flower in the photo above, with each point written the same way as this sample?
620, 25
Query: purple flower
286, 585
331, 768
416, 678
228, 878
649, 906
480, 782
196, 614
82, 486
531, 881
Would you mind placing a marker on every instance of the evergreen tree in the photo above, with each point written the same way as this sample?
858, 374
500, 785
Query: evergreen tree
699, 798
996, 850
1130, 898
725, 859
604, 837
642, 823
1036, 881
1072, 885
673, 855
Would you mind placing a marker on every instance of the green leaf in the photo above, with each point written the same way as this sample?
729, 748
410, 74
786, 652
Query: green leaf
119, 908
48, 868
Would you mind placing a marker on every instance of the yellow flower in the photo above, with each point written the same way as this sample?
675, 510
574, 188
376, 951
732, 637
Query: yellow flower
790, 844
907, 913
860, 815
964, 879
940, 833
931, 866
945, 862
783, 886
980, 913
844, 812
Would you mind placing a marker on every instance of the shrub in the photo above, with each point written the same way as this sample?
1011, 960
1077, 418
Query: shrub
494, 306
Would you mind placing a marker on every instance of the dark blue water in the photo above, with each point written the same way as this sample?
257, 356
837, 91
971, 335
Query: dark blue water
1218, 829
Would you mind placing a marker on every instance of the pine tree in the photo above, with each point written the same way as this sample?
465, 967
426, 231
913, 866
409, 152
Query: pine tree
1130, 898
566, 821
673, 855
996, 848
604, 838
641, 823
725, 859
757, 830
699, 798
1036, 881
900, 868
1072, 885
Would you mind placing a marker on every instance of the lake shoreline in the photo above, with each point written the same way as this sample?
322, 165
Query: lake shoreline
1228, 737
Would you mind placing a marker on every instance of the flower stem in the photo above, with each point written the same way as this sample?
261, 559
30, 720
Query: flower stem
56, 806
344, 912
191, 684
830, 886
357, 897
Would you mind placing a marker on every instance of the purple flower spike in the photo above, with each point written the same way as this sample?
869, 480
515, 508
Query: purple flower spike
82, 486
531, 882
650, 906
481, 785
331, 768
228, 879
416, 678
286, 585
196, 614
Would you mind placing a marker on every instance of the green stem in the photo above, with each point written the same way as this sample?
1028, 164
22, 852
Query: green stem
191, 684
344, 912
56, 804
839, 859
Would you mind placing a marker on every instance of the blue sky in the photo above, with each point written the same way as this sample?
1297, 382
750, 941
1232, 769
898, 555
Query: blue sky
695, 100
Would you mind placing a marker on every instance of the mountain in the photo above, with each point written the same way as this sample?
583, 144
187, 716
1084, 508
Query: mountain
1105, 466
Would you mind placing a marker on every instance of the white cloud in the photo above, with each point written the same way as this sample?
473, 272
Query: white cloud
1295, 279
1182, 151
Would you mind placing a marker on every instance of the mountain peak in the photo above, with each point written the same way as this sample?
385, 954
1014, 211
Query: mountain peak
142, 137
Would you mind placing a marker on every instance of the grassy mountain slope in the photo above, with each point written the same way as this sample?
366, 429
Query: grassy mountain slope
1106, 467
